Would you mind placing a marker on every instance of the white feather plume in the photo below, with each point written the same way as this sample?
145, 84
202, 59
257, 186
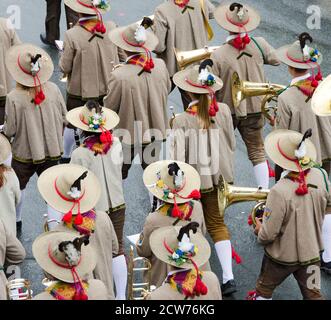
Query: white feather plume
74, 193
140, 34
203, 76
306, 52
185, 245
302, 151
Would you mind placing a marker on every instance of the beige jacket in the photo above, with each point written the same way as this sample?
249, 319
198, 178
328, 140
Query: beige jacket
292, 225
96, 291
166, 292
249, 69
11, 252
37, 131
8, 38
108, 169
10, 195
140, 101
181, 31
294, 113
210, 152
157, 220
89, 64
105, 243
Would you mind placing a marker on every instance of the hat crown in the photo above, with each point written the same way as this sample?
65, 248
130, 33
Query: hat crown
167, 178
129, 34
65, 181
86, 114
295, 52
56, 254
25, 60
238, 14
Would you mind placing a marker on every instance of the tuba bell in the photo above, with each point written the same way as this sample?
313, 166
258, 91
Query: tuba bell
321, 101
19, 289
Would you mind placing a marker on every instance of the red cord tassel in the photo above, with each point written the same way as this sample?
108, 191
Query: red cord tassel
235, 256
78, 219
67, 217
272, 173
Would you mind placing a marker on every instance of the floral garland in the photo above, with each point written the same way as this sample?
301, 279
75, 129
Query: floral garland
101, 4
95, 122
179, 256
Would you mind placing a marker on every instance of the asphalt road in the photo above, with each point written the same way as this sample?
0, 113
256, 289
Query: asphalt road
281, 22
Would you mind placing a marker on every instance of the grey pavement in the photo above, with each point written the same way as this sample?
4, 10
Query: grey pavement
281, 22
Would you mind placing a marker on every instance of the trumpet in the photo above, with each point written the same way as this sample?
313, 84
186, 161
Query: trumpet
19, 289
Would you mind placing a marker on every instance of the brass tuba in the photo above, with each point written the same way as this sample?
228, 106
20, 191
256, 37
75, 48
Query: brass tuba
19, 289
186, 58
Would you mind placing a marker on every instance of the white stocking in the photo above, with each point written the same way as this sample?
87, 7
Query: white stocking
52, 214
69, 142
19, 207
120, 275
224, 253
261, 172
326, 236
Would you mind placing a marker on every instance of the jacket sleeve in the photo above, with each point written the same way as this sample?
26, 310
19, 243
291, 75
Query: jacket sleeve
15, 40
15, 252
62, 105
67, 57
143, 247
115, 244
270, 57
177, 143
160, 29
16, 188
284, 114
114, 94
10, 125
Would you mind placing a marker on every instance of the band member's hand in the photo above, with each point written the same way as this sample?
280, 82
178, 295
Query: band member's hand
258, 226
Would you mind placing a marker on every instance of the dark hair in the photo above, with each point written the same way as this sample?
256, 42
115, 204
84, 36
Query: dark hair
303, 38
297, 70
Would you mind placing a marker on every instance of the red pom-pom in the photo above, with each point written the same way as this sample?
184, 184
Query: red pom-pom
83, 296
41, 95
176, 213
319, 76
98, 27
272, 173
212, 112
302, 190
106, 137
151, 63
246, 39
78, 219
37, 101
200, 287
195, 194
314, 83
67, 217
238, 42
103, 29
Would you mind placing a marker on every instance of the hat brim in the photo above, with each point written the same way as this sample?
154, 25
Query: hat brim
180, 81
169, 234
321, 101
281, 54
115, 36
75, 6
5, 149
274, 154
111, 119
40, 252
193, 181
47, 190
46, 70
221, 19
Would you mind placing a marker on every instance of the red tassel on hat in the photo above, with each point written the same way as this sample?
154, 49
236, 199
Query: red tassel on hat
319, 76
314, 83
78, 219
302, 190
67, 217
106, 137
195, 194
272, 173
212, 112
246, 39
238, 42
176, 213
235, 256
200, 287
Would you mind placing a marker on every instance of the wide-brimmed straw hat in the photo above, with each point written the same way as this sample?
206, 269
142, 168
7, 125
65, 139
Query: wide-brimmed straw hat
321, 101
238, 19
5, 149
93, 119
87, 6
18, 62
50, 258
157, 179
281, 146
57, 186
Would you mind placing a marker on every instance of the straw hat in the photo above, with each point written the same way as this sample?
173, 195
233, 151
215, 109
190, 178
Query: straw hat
169, 236
237, 19
5, 149
19, 58
321, 101
83, 118
87, 6
160, 170
48, 244
56, 183
288, 142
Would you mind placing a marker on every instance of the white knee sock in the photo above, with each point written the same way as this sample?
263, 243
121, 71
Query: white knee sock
224, 253
69, 142
261, 298
52, 214
261, 172
120, 275
19, 207
326, 236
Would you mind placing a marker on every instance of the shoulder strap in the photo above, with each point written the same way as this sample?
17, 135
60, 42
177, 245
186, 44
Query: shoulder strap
259, 47
206, 21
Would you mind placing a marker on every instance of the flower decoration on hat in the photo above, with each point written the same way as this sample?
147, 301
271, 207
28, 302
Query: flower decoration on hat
101, 4
183, 4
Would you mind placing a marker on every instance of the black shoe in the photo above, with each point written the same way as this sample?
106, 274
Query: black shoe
229, 288
326, 267
19, 228
65, 160
45, 41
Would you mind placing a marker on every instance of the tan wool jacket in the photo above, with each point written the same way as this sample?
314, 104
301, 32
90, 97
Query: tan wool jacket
105, 243
166, 292
183, 31
249, 69
292, 225
108, 169
8, 38
37, 130
294, 113
11, 252
210, 152
89, 64
141, 102
157, 220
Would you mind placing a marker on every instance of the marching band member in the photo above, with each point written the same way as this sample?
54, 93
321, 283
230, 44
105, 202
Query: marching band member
138, 92
67, 262
184, 25
294, 104
8, 39
203, 136
292, 225
162, 179
87, 59
74, 191
35, 115
185, 250
246, 56
10, 193
102, 154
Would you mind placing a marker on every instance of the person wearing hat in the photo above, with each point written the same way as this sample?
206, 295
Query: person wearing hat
67, 261
184, 25
294, 110
295, 210
35, 114
88, 59
179, 209
138, 92
204, 136
185, 250
8, 39
73, 192
247, 56
10, 193
101, 153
